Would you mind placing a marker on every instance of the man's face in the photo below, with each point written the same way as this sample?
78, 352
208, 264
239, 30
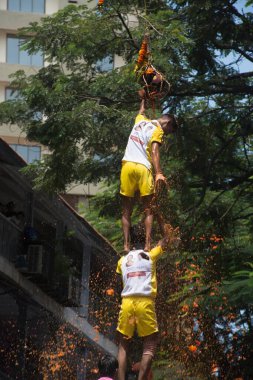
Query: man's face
169, 127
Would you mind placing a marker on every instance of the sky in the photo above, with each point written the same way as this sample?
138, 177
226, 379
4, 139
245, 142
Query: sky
244, 65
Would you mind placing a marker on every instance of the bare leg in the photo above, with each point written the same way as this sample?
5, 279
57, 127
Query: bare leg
127, 208
122, 357
145, 366
149, 348
148, 221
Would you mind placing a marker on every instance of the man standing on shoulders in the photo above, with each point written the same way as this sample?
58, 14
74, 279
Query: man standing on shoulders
142, 152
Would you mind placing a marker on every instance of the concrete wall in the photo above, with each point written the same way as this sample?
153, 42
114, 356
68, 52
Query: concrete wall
52, 6
3, 4
2, 47
12, 21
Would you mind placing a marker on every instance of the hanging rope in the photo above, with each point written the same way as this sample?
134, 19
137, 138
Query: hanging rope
154, 82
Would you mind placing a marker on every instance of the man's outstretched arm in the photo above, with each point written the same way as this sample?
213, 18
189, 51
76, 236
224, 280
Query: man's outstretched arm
170, 240
171, 237
142, 95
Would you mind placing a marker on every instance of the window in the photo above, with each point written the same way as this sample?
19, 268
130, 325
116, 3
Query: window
29, 153
16, 55
11, 94
34, 6
105, 64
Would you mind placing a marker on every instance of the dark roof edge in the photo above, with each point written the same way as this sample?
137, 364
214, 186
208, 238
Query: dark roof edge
87, 224
18, 161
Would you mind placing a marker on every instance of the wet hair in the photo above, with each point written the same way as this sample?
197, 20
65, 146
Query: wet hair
173, 118
108, 365
137, 236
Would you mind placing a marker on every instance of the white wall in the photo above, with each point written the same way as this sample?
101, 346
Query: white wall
52, 6
118, 61
3, 4
2, 93
12, 130
2, 46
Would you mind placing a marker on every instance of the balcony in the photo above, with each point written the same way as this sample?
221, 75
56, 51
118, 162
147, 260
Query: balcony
6, 69
36, 260
11, 21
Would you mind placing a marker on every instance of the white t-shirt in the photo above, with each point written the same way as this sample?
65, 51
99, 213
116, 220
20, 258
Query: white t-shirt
139, 273
143, 134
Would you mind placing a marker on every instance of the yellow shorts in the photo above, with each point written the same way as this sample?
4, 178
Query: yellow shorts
135, 177
139, 313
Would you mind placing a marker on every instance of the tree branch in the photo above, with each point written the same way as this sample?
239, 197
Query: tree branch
221, 46
232, 204
127, 29
151, 25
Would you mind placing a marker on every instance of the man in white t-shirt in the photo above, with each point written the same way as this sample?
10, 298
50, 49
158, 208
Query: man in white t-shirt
141, 154
138, 272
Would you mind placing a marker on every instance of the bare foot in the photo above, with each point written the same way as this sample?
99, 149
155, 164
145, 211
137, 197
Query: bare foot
147, 247
126, 248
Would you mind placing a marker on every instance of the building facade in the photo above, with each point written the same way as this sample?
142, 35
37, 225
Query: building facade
15, 14
57, 284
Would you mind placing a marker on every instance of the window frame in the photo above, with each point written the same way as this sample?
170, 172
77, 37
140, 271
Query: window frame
19, 52
28, 147
32, 7
11, 98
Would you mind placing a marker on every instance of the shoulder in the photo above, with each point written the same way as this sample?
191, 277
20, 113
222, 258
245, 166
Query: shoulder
156, 252
157, 135
119, 264
141, 117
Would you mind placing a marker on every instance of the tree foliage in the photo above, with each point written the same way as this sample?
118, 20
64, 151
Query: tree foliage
206, 286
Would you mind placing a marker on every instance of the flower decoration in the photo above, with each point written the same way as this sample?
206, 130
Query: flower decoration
110, 292
192, 348
100, 3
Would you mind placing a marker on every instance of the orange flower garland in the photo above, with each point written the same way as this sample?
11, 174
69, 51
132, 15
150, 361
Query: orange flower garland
100, 3
153, 82
143, 55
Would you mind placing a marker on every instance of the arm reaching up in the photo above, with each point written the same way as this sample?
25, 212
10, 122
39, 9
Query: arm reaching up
171, 237
142, 95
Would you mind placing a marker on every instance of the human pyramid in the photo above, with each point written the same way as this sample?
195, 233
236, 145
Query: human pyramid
138, 266
141, 171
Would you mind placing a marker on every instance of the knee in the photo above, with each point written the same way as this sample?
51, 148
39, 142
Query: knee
150, 344
126, 213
